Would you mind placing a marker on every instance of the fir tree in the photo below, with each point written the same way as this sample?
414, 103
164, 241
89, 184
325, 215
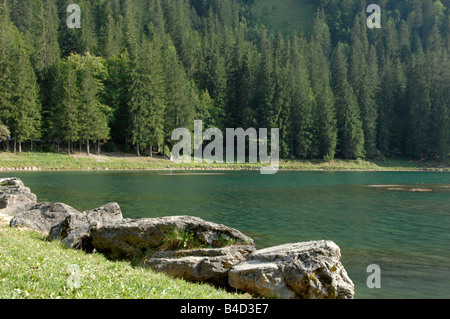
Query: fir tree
147, 98
350, 131
324, 114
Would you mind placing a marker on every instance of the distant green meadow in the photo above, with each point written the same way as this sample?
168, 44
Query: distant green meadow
55, 161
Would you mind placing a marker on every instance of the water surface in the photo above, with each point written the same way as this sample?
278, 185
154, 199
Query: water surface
398, 220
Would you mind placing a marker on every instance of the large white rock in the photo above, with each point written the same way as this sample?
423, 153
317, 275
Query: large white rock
43, 216
209, 265
14, 196
76, 230
310, 270
130, 238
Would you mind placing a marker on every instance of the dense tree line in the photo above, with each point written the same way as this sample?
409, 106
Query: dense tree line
136, 70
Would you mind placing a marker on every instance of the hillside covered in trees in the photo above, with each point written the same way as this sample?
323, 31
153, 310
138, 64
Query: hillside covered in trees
136, 70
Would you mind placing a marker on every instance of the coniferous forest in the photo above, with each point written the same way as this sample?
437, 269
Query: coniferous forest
136, 70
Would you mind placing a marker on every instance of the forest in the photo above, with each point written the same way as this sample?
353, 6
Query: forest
137, 70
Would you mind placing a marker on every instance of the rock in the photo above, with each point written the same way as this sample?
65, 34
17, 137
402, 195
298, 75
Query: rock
310, 270
131, 238
76, 230
14, 196
199, 265
107, 214
81, 238
43, 217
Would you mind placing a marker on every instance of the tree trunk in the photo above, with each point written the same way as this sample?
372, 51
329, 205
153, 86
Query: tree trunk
151, 151
138, 152
98, 147
7, 144
15, 145
80, 147
164, 150
68, 147
87, 147
31, 145
20, 147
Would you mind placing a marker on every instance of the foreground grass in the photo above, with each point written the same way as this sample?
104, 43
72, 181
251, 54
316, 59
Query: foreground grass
54, 161
31, 267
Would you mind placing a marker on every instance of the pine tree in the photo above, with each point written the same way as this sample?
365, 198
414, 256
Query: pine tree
7, 33
321, 32
324, 114
118, 94
391, 99
350, 131
45, 39
92, 113
438, 60
239, 81
67, 115
265, 89
180, 110
185, 39
19, 98
212, 75
27, 117
363, 77
281, 107
147, 98
112, 36
392, 123
88, 38
46, 59
156, 16
419, 101
302, 101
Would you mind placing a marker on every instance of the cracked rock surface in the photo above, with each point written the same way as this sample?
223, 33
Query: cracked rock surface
309, 270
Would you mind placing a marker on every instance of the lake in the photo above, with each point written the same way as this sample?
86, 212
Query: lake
397, 220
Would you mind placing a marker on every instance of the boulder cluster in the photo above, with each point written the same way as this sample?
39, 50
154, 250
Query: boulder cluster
186, 247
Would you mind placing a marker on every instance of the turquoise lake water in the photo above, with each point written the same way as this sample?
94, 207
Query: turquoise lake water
382, 218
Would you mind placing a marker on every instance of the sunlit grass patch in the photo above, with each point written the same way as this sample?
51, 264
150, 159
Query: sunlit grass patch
55, 161
31, 267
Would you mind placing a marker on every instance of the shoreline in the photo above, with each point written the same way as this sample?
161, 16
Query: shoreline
54, 162
225, 169
198, 169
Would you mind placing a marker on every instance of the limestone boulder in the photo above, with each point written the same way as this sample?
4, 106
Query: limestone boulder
309, 270
130, 238
199, 265
76, 230
15, 197
43, 217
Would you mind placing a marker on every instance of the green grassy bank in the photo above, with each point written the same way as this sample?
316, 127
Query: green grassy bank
33, 268
54, 161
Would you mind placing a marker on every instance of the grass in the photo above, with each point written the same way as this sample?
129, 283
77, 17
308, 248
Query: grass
176, 239
55, 161
33, 268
